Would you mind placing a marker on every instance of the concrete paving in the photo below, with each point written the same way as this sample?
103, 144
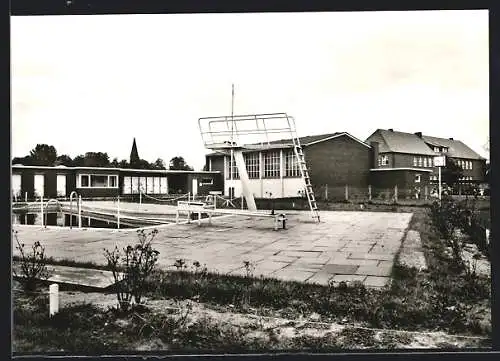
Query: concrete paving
345, 246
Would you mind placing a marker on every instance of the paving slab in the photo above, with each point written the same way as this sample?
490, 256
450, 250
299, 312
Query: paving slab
368, 237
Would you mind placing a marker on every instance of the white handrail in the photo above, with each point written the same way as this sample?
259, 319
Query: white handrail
71, 208
44, 214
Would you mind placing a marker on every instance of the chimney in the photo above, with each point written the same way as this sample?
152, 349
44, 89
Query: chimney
451, 138
418, 134
374, 153
390, 130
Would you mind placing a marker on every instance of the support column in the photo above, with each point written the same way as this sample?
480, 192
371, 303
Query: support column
245, 181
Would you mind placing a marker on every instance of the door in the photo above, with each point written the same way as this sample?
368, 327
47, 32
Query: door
127, 185
16, 185
61, 185
195, 187
39, 185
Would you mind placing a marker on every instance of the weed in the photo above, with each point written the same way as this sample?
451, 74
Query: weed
33, 265
137, 262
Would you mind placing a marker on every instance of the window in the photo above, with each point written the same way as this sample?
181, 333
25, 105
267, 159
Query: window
415, 161
98, 181
430, 162
206, 181
291, 165
383, 160
231, 169
425, 162
436, 149
272, 164
419, 161
252, 162
417, 178
84, 181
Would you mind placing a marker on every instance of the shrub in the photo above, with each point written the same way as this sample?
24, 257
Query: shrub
132, 269
33, 265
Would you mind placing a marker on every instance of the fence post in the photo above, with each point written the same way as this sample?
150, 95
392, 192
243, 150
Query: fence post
41, 209
369, 192
118, 213
26, 197
53, 299
242, 202
140, 196
346, 193
426, 192
396, 192
326, 192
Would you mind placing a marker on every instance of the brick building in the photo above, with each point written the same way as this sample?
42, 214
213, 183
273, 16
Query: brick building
335, 159
407, 159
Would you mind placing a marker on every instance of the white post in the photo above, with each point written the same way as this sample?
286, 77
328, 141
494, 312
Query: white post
140, 196
26, 197
369, 192
326, 192
242, 202
79, 211
118, 213
53, 299
396, 192
439, 172
41, 209
346, 193
189, 197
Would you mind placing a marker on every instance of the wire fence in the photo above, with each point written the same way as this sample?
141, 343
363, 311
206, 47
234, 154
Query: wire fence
418, 194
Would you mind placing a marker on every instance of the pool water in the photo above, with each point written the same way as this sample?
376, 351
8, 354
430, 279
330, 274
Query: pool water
63, 220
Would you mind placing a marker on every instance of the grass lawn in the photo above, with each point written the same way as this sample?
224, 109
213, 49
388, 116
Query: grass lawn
200, 312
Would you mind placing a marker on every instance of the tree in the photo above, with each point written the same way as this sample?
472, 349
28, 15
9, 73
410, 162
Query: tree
123, 164
78, 161
115, 163
96, 159
159, 164
21, 160
452, 173
178, 163
43, 154
64, 159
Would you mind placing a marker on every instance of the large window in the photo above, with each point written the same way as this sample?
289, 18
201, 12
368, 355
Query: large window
415, 161
252, 162
291, 164
231, 169
98, 181
272, 164
383, 160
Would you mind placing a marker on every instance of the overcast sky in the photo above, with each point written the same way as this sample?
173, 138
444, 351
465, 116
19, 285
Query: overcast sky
92, 83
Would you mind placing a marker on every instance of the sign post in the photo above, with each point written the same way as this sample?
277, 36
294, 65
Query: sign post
439, 162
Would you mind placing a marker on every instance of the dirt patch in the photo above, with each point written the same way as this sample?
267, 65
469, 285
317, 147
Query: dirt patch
277, 330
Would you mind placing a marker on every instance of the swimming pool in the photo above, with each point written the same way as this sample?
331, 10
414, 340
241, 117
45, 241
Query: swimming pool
65, 220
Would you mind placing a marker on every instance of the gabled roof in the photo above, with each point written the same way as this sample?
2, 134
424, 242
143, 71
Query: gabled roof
456, 148
287, 143
399, 142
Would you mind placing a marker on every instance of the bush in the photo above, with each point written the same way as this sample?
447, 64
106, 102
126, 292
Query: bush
33, 265
132, 269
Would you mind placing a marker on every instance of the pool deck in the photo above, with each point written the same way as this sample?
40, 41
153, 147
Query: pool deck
345, 246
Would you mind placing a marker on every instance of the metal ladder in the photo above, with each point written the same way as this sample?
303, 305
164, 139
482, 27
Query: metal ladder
299, 153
